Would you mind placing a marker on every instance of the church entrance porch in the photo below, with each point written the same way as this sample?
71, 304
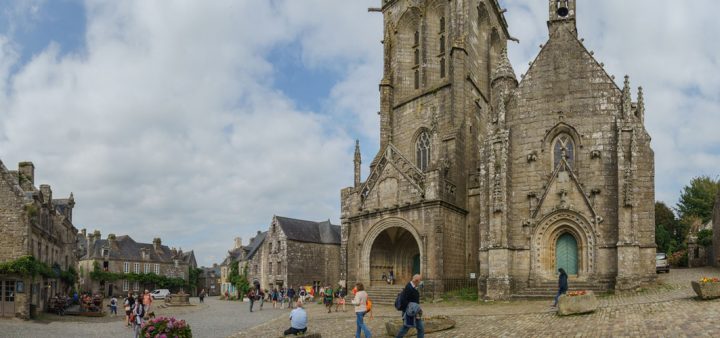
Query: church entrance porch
394, 250
391, 246
564, 239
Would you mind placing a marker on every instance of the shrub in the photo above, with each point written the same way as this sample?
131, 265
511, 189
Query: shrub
679, 258
164, 327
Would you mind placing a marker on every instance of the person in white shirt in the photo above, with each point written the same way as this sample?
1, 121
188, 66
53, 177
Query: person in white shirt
361, 309
298, 320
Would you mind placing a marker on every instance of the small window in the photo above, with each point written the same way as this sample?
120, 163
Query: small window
137, 268
417, 38
270, 269
423, 151
417, 57
417, 79
442, 24
147, 268
442, 44
564, 148
442, 67
126, 267
157, 269
126, 285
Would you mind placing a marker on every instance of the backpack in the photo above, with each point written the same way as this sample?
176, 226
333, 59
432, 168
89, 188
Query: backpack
399, 300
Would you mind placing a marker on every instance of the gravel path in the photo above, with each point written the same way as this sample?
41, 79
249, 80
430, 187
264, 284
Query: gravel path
214, 318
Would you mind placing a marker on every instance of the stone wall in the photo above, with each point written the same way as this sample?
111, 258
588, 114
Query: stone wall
716, 231
308, 262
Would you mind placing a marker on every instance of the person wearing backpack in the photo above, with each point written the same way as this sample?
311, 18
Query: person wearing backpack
113, 306
361, 301
138, 313
408, 301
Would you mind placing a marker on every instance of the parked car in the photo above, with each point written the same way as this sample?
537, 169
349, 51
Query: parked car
661, 262
159, 293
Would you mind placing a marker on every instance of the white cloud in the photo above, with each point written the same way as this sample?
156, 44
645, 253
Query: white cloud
167, 123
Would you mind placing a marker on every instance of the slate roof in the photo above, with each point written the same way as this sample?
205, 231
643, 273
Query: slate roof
254, 245
128, 249
309, 231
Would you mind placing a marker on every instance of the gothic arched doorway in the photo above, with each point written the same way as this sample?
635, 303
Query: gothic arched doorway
396, 250
566, 254
390, 245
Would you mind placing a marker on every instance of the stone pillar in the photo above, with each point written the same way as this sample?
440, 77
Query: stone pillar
386, 99
356, 162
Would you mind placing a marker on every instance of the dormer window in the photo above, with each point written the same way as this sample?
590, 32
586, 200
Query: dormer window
105, 252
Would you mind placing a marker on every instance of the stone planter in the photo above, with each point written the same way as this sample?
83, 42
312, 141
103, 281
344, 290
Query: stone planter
708, 290
432, 324
574, 305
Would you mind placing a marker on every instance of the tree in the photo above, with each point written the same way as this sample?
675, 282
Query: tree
665, 228
697, 199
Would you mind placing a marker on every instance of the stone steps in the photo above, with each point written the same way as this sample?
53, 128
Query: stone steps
383, 294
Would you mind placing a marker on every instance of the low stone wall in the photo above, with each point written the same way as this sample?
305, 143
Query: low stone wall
709, 290
573, 305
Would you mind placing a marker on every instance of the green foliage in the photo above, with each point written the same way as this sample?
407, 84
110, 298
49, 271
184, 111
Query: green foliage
193, 279
697, 199
469, 294
665, 226
163, 282
238, 280
679, 258
705, 237
28, 266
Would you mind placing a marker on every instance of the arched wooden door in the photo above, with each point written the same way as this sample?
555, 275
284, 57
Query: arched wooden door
566, 254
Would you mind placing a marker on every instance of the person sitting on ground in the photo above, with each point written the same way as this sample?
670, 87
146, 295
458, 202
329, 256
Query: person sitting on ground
298, 320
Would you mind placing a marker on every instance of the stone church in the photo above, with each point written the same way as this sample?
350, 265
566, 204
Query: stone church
479, 174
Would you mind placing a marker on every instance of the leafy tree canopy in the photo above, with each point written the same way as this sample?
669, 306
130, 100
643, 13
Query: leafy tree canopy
698, 197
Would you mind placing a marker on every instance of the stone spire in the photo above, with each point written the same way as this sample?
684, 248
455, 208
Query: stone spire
357, 161
641, 105
504, 69
627, 99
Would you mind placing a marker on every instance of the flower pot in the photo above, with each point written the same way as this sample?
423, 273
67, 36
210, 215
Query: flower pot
708, 290
574, 305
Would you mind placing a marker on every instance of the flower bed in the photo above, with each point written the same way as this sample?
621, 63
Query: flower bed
577, 302
164, 327
707, 288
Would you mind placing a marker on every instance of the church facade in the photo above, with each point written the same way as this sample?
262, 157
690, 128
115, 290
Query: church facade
481, 174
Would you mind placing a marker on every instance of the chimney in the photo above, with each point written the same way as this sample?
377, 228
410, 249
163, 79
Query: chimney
84, 232
26, 175
238, 242
157, 244
90, 244
112, 240
97, 234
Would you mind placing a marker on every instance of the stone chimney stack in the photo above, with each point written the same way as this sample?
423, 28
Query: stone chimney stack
90, 243
84, 233
157, 243
238, 242
112, 240
97, 234
26, 172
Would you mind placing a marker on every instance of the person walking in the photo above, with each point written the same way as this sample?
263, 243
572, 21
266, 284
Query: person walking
137, 315
341, 293
251, 297
298, 320
129, 303
562, 285
113, 306
360, 302
291, 297
147, 301
202, 296
302, 293
410, 307
328, 298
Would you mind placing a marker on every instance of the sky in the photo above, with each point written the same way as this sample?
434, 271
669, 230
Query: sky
197, 121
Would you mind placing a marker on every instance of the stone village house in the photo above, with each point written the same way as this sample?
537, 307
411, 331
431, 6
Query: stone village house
32, 223
122, 254
296, 252
481, 174
209, 280
292, 252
